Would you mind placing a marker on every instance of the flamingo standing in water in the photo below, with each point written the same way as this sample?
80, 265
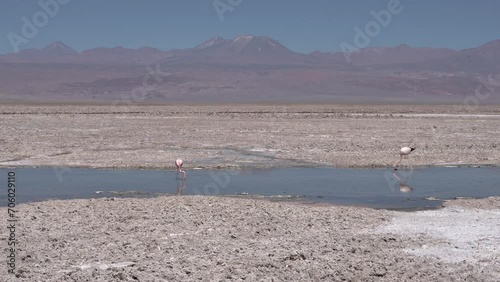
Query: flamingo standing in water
178, 163
403, 152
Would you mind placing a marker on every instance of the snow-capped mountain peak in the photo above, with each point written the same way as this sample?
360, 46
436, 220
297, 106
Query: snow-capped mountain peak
244, 45
59, 48
214, 41
242, 39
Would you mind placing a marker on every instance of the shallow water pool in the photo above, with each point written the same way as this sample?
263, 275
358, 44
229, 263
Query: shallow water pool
379, 188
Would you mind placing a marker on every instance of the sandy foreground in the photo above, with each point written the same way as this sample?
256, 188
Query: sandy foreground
198, 238
222, 136
201, 238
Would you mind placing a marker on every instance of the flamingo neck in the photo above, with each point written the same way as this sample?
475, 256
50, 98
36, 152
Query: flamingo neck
182, 171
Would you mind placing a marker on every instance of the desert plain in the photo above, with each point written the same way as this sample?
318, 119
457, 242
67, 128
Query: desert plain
218, 238
231, 136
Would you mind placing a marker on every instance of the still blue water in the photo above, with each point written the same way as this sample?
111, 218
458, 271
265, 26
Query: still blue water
379, 188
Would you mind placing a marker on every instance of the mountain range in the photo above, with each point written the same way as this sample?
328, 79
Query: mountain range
251, 68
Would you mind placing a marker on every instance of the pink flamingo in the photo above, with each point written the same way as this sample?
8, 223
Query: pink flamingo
179, 163
403, 152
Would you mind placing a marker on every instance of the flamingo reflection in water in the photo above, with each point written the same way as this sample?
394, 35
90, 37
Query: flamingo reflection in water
403, 187
180, 187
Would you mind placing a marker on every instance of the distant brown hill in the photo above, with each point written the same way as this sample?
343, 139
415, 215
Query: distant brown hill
251, 68
482, 59
391, 55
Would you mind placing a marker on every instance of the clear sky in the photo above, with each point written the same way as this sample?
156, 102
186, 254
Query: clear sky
301, 25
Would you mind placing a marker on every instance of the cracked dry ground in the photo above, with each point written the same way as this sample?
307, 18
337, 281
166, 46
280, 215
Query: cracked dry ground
197, 238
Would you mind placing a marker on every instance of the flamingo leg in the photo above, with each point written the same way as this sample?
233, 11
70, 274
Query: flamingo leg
400, 159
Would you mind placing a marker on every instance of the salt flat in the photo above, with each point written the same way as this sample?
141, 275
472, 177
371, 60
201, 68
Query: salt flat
190, 238
221, 136
187, 238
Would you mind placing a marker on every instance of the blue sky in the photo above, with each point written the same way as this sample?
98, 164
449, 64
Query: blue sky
302, 25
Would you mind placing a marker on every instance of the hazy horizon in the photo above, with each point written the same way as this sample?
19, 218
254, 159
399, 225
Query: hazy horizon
302, 26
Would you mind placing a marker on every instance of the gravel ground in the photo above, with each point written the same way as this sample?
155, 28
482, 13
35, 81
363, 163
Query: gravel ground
211, 136
197, 238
